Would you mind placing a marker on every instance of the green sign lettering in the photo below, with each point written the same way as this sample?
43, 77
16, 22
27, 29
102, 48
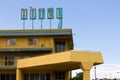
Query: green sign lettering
59, 13
50, 13
23, 14
32, 14
41, 13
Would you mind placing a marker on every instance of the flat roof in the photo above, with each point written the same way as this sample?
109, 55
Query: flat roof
35, 32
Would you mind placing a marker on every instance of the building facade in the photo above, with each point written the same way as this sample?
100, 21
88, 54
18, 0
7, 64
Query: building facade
42, 55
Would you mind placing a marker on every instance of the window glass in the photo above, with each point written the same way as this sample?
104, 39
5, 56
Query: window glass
60, 46
47, 76
37, 76
32, 77
11, 42
7, 76
59, 75
8, 60
2, 76
32, 41
13, 77
26, 76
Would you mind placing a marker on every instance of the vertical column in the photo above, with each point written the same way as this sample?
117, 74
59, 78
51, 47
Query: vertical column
67, 75
51, 75
1, 61
86, 66
86, 75
53, 45
19, 74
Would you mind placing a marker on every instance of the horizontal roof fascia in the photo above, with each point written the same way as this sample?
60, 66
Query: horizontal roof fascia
24, 49
7, 67
43, 32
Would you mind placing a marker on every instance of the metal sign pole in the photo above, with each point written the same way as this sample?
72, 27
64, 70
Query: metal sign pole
32, 24
50, 23
60, 24
41, 23
95, 71
23, 24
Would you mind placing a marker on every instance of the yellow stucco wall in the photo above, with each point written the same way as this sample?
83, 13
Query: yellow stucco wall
22, 42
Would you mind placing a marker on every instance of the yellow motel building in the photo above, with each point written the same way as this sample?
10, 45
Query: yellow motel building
43, 54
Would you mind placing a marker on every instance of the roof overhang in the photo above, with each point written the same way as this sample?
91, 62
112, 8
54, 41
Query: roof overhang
25, 49
7, 67
68, 60
38, 32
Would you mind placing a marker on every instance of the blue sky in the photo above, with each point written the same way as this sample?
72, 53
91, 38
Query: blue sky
95, 23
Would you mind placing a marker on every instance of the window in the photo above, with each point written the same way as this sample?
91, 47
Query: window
11, 42
59, 75
60, 46
37, 76
9, 60
32, 41
7, 76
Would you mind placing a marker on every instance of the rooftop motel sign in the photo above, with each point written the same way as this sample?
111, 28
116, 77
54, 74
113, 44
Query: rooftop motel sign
50, 13
24, 14
32, 14
41, 15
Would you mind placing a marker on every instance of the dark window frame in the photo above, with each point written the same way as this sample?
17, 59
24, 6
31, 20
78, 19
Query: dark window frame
32, 41
11, 41
60, 46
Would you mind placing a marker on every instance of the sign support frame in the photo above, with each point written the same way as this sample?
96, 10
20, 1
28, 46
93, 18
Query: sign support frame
23, 24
